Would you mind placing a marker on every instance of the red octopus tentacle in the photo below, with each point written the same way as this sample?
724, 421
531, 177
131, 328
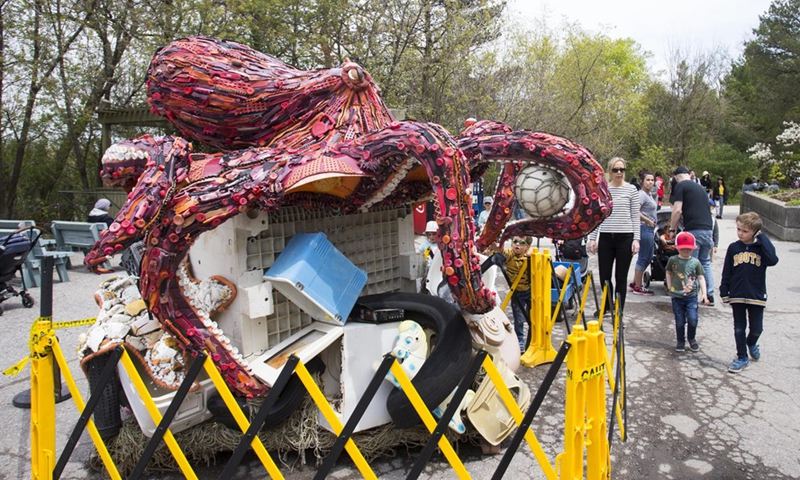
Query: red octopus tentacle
433, 148
166, 164
487, 140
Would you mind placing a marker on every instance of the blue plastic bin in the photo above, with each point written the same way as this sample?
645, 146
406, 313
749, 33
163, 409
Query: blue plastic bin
317, 277
576, 271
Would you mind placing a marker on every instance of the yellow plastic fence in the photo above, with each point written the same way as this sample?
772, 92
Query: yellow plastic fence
585, 418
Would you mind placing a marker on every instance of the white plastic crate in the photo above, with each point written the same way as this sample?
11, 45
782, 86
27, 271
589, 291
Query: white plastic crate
192, 411
243, 248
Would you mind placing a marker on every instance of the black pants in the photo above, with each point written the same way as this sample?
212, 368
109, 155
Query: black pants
615, 248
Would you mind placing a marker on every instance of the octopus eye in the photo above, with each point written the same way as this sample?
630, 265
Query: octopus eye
356, 75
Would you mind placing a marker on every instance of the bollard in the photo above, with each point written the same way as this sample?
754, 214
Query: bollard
598, 460
61, 392
541, 348
570, 462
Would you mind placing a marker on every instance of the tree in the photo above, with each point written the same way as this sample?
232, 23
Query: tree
763, 87
584, 86
685, 115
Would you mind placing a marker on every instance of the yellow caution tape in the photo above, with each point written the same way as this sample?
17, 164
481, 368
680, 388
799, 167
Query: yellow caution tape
39, 334
15, 369
74, 323
589, 373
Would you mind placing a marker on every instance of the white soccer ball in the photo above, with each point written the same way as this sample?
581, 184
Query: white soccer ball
541, 191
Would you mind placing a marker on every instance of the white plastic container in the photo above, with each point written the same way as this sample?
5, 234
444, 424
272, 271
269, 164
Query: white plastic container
191, 412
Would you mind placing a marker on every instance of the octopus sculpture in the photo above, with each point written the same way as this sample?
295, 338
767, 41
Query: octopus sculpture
321, 139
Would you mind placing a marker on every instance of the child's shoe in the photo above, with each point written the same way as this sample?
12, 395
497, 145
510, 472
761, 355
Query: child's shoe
755, 352
693, 346
738, 365
680, 347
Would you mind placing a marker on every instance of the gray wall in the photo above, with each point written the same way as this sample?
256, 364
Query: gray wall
779, 221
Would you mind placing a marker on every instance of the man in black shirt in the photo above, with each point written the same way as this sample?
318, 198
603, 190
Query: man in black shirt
690, 200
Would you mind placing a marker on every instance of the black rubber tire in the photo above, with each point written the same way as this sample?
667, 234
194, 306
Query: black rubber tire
646, 279
447, 363
27, 300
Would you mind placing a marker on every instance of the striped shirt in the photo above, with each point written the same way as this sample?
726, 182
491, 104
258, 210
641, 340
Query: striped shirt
624, 216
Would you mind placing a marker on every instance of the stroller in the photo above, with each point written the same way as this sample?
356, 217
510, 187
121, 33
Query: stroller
14, 248
664, 249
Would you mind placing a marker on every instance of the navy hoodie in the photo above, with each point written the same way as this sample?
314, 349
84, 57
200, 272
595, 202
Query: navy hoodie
744, 275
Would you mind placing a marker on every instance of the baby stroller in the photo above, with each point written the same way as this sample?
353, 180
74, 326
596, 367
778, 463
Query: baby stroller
14, 248
663, 250
574, 251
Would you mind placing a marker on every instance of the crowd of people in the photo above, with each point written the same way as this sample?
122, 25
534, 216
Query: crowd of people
631, 232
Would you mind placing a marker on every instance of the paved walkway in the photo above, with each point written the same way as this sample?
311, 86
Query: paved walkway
688, 417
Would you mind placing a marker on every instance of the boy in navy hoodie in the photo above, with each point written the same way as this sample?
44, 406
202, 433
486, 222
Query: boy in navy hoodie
744, 286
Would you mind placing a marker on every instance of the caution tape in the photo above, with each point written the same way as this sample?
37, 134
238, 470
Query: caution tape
74, 323
38, 334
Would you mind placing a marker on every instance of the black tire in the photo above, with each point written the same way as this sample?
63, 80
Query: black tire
646, 279
27, 300
447, 363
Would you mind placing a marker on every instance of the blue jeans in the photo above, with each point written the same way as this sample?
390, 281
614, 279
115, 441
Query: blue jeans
720, 204
519, 301
647, 244
743, 339
705, 244
685, 310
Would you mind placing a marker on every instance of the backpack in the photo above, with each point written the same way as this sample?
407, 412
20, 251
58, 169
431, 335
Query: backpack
573, 249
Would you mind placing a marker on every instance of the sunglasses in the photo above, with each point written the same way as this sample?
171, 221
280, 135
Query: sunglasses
617, 170
519, 242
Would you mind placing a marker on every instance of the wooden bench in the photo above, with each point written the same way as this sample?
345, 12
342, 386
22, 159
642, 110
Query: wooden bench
77, 236
31, 267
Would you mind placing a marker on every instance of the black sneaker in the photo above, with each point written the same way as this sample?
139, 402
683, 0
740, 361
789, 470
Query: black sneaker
693, 346
680, 347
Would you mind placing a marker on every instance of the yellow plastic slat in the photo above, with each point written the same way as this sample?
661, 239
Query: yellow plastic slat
66, 374
169, 439
241, 420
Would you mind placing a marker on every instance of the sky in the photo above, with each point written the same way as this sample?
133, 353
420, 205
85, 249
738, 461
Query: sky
659, 26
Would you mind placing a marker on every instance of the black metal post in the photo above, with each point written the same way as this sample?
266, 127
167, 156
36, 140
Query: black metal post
23, 399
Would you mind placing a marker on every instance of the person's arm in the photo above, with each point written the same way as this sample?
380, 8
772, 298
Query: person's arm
769, 256
636, 208
702, 296
675, 218
668, 275
727, 272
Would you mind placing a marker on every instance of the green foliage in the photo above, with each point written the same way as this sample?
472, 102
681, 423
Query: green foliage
763, 88
653, 158
726, 162
582, 85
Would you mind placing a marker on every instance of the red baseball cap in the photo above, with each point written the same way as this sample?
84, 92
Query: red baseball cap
685, 240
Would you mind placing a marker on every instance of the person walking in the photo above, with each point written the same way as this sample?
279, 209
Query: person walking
483, 217
744, 286
647, 228
616, 240
686, 286
718, 195
705, 181
690, 201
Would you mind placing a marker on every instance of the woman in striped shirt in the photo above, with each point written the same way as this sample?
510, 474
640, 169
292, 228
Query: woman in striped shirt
616, 240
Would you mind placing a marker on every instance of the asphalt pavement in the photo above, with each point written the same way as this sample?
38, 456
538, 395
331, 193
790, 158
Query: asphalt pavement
688, 418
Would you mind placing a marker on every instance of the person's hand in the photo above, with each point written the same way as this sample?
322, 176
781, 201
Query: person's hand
592, 246
704, 299
635, 247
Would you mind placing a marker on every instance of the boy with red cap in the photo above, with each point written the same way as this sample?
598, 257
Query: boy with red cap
686, 285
